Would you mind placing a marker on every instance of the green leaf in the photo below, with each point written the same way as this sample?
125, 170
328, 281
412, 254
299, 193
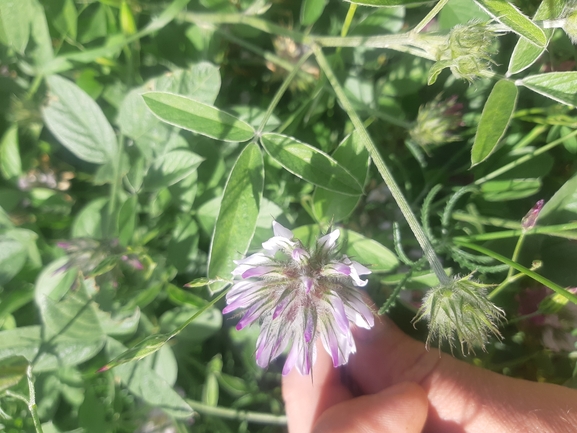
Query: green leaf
171, 168
10, 163
89, 220
183, 245
41, 50
332, 206
368, 252
562, 207
62, 15
559, 86
182, 297
200, 82
510, 189
526, 53
508, 15
386, 3
78, 122
15, 16
310, 164
12, 370
494, 120
197, 117
147, 385
460, 12
236, 221
202, 327
311, 11
140, 350
71, 315
16, 246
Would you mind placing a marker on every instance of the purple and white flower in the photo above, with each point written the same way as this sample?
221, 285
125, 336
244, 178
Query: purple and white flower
299, 295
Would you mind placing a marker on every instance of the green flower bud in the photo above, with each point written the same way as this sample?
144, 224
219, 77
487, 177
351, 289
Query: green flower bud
467, 52
436, 123
461, 311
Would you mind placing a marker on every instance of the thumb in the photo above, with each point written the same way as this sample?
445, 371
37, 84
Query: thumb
402, 407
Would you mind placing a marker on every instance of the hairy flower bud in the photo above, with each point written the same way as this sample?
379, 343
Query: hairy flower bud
436, 123
530, 219
460, 311
467, 52
299, 295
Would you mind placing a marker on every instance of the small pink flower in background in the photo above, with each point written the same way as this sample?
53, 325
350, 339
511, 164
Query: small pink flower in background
299, 295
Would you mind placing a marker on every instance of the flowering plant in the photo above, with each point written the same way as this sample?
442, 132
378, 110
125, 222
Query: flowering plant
299, 295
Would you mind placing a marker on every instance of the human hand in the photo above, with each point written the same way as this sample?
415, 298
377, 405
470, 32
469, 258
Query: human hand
393, 384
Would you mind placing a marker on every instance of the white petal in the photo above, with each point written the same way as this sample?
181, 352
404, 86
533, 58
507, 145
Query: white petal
279, 230
277, 243
328, 242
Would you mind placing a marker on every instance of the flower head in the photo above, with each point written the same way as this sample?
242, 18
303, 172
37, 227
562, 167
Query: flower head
299, 295
461, 308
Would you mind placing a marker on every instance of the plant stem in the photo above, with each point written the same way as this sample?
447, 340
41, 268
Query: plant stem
559, 230
239, 415
383, 169
432, 14
32, 401
539, 278
348, 21
524, 158
280, 92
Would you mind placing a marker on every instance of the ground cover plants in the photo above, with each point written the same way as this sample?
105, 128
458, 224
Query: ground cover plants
148, 148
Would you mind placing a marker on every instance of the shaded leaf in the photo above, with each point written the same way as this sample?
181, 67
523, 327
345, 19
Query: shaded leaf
171, 168
12, 370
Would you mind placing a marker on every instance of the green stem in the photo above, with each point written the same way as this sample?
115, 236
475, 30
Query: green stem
383, 169
267, 55
517, 251
32, 401
280, 92
114, 188
539, 278
560, 230
239, 415
348, 19
195, 315
531, 136
524, 158
505, 283
432, 14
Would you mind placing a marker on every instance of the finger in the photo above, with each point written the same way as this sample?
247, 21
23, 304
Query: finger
307, 397
459, 393
400, 408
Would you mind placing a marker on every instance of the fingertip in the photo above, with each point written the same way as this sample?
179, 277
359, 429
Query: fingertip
402, 407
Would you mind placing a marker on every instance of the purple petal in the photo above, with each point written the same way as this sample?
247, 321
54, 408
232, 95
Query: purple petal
257, 272
299, 254
250, 262
291, 360
342, 269
308, 283
339, 314
309, 327
252, 314
281, 306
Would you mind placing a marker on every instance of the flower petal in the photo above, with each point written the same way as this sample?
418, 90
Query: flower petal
328, 242
282, 231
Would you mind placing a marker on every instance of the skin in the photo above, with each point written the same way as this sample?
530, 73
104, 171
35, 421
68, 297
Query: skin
393, 384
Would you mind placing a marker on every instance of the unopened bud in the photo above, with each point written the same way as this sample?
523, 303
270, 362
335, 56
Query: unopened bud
436, 123
461, 311
530, 219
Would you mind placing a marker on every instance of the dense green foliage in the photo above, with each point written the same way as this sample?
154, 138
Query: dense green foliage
145, 145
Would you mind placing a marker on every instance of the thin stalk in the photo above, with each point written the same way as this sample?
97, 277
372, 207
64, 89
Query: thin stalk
195, 315
539, 278
383, 169
531, 136
114, 188
280, 92
524, 158
239, 415
267, 55
510, 279
347, 23
517, 251
486, 221
432, 14
560, 230
32, 400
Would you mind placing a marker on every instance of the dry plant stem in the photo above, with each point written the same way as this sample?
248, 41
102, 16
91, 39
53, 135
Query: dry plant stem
383, 170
